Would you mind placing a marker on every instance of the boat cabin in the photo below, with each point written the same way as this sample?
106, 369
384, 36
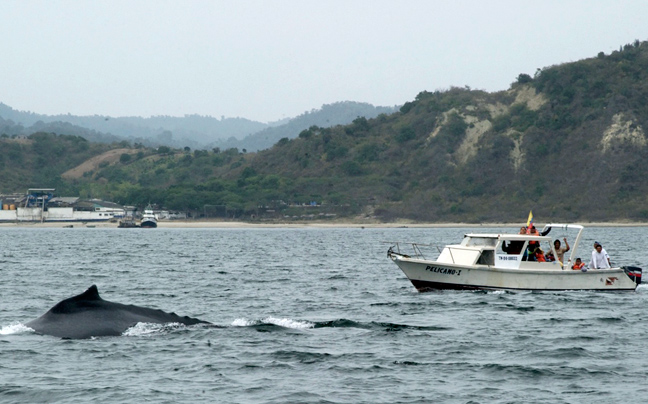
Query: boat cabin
515, 251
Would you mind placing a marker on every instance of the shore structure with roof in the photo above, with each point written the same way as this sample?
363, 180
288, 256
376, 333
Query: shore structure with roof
40, 205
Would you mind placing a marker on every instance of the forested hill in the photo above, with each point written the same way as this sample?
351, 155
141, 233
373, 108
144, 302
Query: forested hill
568, 141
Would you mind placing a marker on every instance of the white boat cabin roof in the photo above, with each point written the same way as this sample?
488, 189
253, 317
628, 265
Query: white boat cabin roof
474, 240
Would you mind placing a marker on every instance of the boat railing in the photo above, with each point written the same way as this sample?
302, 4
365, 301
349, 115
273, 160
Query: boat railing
569, 259
416, 249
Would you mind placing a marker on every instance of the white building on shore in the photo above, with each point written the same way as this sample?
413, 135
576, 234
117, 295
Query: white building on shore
39, 205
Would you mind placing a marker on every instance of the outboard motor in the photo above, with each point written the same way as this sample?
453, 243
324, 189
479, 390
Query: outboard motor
633, 273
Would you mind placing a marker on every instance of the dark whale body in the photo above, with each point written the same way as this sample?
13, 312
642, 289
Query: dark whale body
88, 315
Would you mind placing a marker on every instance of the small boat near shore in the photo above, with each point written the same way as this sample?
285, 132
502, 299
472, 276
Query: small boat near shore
481, 262
127, 223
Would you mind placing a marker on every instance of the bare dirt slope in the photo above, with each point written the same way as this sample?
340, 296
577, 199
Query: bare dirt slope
109, 157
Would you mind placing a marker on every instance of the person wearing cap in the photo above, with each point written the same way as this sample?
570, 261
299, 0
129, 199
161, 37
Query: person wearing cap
600, 257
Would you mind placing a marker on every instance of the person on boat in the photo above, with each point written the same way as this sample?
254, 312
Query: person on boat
578, 264
533, 244
600, 257
560, 251
538, 255
514, 246
534, 231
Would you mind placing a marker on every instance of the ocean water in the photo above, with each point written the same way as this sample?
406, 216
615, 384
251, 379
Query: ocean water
309, 315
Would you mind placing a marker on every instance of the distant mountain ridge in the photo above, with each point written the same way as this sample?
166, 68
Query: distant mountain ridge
190, 130
194, 131
11, 129
339, 113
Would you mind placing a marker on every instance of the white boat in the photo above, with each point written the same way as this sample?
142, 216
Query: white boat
480, 262
149, 220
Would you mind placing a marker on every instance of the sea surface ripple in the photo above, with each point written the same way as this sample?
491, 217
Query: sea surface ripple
308, 315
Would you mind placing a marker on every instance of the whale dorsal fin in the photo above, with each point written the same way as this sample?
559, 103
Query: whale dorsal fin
92, 293
78, 302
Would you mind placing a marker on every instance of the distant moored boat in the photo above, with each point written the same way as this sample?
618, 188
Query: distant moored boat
148, 218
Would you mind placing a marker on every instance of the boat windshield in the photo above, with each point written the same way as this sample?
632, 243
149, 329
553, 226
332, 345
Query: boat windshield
472, 241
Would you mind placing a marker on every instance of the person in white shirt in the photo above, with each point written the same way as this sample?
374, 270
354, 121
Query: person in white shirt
560, 251
600, 257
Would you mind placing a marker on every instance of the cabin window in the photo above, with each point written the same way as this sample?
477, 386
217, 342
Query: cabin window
511, 247
487, 257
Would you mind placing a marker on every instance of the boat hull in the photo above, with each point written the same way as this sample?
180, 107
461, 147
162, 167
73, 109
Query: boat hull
431, 275
148, 224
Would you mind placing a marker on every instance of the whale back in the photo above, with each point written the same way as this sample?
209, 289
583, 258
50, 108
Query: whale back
88, 315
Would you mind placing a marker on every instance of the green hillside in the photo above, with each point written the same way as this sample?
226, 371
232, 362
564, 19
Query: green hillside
39, 160
567, 141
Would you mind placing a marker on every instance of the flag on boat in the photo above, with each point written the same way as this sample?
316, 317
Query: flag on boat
529, 222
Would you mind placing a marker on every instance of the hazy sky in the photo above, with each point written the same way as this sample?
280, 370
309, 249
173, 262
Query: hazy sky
267, 60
